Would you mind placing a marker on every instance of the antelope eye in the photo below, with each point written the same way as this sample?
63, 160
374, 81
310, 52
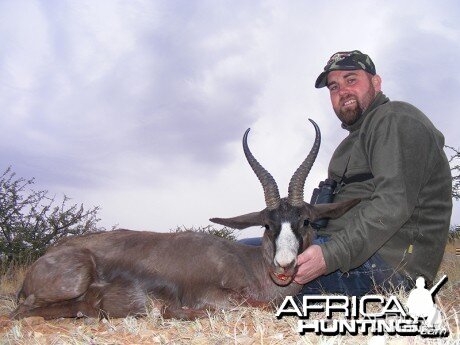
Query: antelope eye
267, 227
306, 222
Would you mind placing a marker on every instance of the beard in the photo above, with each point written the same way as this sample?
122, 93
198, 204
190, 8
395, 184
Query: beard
349, 115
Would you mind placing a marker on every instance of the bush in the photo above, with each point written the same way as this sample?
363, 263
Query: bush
30, 220
454, 161
210, 229
454, 233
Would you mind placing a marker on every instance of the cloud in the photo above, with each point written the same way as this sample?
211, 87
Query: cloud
129, 104
176, 85
419, 61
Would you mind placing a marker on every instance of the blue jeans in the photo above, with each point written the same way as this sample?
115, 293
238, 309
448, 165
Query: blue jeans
374, 276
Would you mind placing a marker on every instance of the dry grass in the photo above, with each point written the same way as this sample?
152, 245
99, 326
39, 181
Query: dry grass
241, 325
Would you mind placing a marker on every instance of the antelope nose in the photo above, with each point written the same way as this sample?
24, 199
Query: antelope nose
286, 265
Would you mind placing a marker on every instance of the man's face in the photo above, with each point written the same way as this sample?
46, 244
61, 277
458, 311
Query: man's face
351, 93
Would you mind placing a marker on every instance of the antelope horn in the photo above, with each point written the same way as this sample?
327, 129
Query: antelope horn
272, 195
296, 185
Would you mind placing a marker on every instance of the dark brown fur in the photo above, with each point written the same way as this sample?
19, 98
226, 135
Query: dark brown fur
116, 273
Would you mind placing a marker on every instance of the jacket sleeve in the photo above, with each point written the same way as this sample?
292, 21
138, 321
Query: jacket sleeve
399, 150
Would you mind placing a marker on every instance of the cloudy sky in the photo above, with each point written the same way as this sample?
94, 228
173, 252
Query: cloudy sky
140, 106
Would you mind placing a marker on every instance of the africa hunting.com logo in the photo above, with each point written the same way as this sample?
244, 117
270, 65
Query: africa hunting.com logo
421, 318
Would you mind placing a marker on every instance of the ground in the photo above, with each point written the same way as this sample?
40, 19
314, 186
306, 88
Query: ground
241, 325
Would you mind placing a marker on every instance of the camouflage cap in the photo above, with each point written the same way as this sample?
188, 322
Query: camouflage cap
351, 60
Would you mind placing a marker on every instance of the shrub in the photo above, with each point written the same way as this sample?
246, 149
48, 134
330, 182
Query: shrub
30, 220
210, 229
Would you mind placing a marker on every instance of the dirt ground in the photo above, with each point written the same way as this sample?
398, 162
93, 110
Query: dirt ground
241, 325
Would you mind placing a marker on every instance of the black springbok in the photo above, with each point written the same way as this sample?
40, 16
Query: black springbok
118, 273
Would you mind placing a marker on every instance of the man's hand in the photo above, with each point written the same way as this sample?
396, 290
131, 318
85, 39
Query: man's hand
311, 265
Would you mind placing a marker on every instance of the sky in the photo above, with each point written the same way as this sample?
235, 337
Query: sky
140, 106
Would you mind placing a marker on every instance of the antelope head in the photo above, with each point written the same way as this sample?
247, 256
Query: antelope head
286, 220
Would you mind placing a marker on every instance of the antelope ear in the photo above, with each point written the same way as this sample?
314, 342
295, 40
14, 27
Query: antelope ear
334, 210
241, 222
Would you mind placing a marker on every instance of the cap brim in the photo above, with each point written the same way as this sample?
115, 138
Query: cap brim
321, 81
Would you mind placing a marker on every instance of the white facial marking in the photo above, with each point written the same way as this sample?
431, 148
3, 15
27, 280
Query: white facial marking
286, 246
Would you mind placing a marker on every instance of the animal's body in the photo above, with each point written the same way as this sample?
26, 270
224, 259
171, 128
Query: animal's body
116, 273
94, 275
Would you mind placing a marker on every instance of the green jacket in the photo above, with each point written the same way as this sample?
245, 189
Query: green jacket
405, 210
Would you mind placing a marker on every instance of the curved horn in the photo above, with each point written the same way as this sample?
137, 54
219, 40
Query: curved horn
272, 195
296, 185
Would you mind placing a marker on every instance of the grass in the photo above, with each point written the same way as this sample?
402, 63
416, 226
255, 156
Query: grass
241, 325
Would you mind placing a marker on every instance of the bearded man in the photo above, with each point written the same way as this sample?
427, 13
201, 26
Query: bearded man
393, 160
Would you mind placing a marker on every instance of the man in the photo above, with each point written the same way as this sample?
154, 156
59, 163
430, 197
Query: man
393, 160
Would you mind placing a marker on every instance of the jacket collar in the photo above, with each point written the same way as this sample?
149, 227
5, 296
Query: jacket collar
379, 99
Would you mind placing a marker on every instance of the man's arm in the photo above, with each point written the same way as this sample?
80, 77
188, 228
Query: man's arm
399, 150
